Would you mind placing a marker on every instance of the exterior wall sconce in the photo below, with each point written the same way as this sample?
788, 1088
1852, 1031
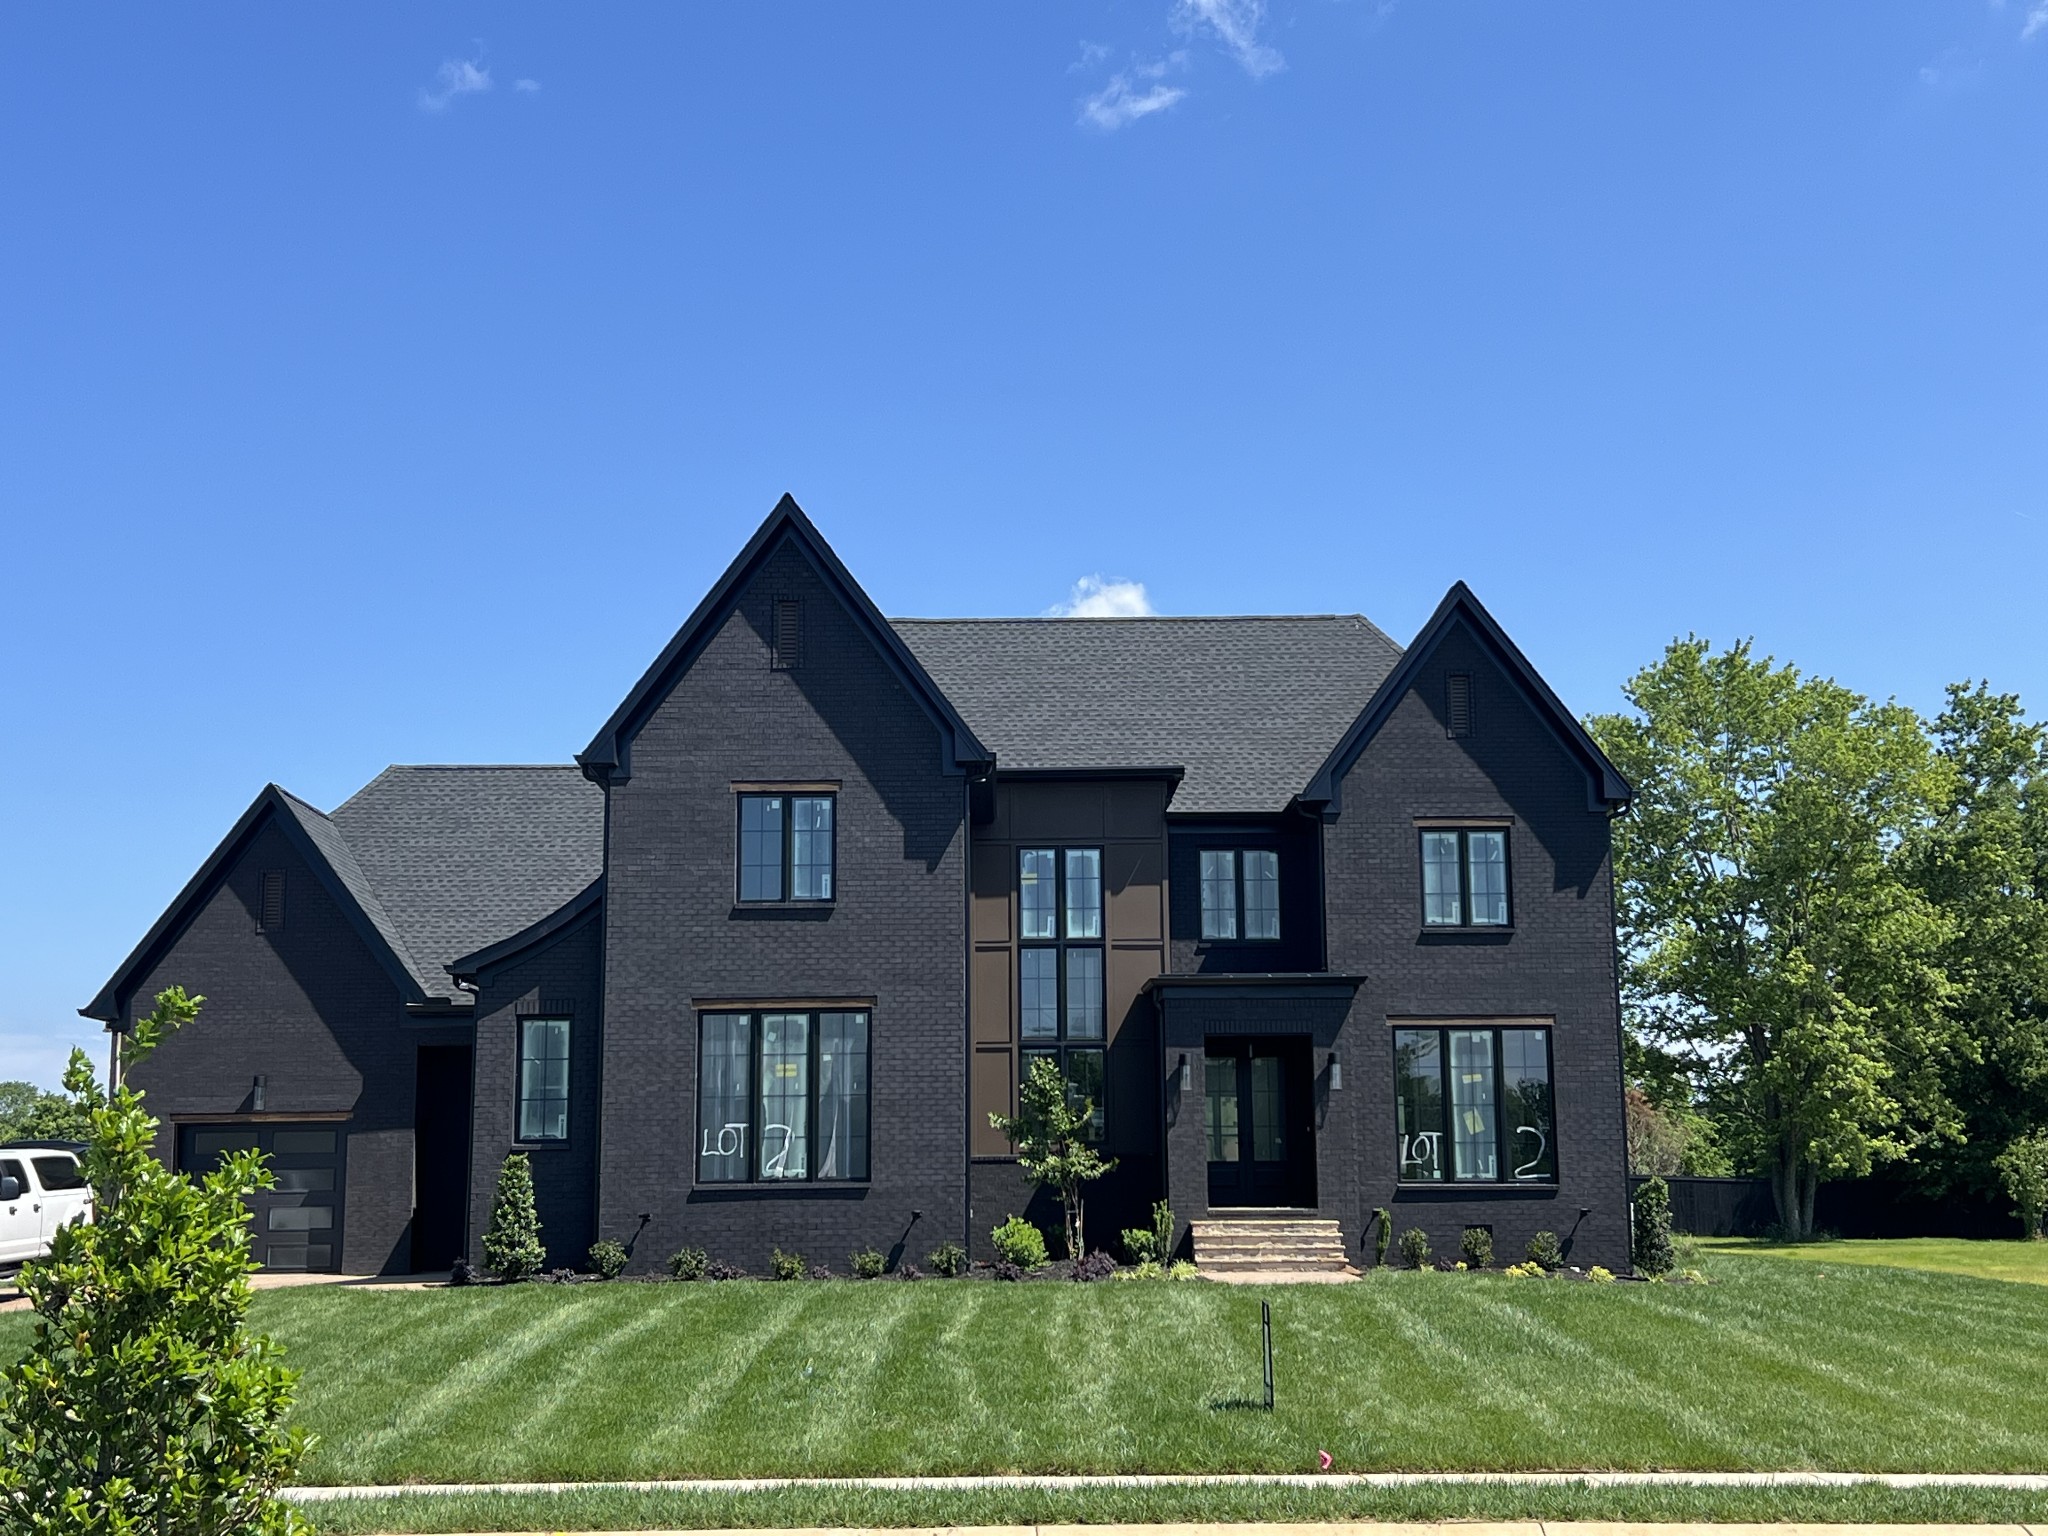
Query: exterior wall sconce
1187, 1074
1336, 1074
256, 1094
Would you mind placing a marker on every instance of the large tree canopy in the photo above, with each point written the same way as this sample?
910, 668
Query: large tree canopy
1769, 927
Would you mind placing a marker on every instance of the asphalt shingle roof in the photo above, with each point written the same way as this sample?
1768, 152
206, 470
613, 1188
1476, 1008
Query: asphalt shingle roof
1249, 706
455, 858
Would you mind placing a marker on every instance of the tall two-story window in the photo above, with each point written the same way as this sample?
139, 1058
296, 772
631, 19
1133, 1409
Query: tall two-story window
1465, 877
543, 1079
1474, 1106
1060, 992
786, 847
782, 1096
1240, 893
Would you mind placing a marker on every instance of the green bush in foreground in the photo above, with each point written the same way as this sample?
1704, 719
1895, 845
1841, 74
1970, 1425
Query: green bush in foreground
1477, 1246
1019, 1243
143, 1403
1415, 1248
785, 1266
866, 1264
1650, 1242
1545, 1250
512, 1249
688, 1264
608, 1259
948, 1259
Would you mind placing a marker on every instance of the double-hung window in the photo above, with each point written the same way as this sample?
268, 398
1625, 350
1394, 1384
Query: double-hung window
782, 1096
1464, 877
1060, 992
786, 847
1474, 1105
1240, 893
543, 1079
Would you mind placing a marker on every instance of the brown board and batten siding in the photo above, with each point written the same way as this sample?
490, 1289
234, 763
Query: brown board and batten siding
1126, 819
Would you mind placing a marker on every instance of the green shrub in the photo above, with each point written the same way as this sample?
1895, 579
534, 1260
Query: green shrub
1383, 1235
1544, 1250
1019, 1243
608, 1259
1415, 1248
1162, 1230
1529, 1271
866, 1264
1651, 1240
1050, 1132
1477, 1246
512, 1249
1144, 1269
688, 1263
1600, 1275
143, 1403
785, 1266
948, 1259
1141, 1245
1183, 1269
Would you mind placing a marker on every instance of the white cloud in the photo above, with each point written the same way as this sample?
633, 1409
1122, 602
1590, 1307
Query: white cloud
1094, 597
1127, 97
1235, 24
523, 84
457, 78
2037, 20
1092, 54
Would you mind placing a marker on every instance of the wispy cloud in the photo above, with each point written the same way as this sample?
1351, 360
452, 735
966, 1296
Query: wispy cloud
1092, 54
1235, 24
1133, 93
524, 84
1094, 597
455, 79
2037, 20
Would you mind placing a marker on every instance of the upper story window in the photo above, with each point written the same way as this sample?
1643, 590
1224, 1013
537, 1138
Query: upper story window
782, 1096
543, 1079
787, 847
1474, 1105
1240, 893
1060, 987
1465, 877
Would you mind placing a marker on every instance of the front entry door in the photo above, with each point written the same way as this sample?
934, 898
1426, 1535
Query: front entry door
1260, 1122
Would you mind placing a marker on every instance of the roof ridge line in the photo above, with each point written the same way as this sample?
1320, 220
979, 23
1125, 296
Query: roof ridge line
1141, 618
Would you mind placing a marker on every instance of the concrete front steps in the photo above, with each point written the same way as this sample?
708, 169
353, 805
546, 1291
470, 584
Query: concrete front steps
1232, 1245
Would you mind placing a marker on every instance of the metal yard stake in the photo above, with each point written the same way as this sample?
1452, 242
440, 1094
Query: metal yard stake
1266, 1327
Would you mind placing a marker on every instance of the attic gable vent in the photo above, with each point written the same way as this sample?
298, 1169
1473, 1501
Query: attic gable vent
272, 918
1458, 704
789, 634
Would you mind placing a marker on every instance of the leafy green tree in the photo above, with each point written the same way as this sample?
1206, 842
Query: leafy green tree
1984, 862
144, 1404
1050, 1133
2022, 1169
1768, 930
29, 1113
512, 1247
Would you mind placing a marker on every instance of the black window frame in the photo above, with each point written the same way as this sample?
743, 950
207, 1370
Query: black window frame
1240, 908
1063, 1046
1464, 833
519, 1097
789, 798
815, 1035
1503, 1144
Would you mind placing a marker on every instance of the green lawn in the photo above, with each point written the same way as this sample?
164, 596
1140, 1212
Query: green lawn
2010, 1260
1774, 1365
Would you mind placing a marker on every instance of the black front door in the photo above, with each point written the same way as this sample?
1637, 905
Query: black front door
1259, 1116
440, 1150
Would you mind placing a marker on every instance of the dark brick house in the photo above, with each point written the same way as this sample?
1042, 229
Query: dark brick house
1319, 924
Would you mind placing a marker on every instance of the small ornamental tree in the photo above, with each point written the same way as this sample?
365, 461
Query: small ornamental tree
1050, 1133
1652, 1238
144, 1404
2022, 1169
512, 1249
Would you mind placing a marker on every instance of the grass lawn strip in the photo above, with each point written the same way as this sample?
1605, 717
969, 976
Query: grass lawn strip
1775, 1365
1988, 1259
626, 1510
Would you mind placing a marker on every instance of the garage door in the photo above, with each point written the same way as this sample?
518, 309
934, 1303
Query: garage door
298, 1223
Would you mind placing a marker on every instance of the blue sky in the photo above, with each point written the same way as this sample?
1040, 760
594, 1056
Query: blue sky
386, 383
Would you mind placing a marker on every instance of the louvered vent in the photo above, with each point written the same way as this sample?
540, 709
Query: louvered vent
272, 920
1458, 704
789, 633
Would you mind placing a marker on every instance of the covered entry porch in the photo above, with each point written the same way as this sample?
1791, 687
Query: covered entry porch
1259, 1152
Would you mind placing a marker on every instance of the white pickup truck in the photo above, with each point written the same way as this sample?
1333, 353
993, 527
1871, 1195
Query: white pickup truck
41, 1189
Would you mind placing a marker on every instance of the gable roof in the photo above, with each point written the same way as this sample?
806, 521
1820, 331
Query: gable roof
609, 754
1605, 785
1248, 706
427, 864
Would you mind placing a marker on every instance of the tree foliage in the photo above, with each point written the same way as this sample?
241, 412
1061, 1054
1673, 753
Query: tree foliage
1049, 1131
29, 1113
144, 1404
1771, 933
512, 1246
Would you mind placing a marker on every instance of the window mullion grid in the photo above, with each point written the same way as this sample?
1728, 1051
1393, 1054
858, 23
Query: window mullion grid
754, 1037
813, 1028
1464, 879
1443, 1066
789, 847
